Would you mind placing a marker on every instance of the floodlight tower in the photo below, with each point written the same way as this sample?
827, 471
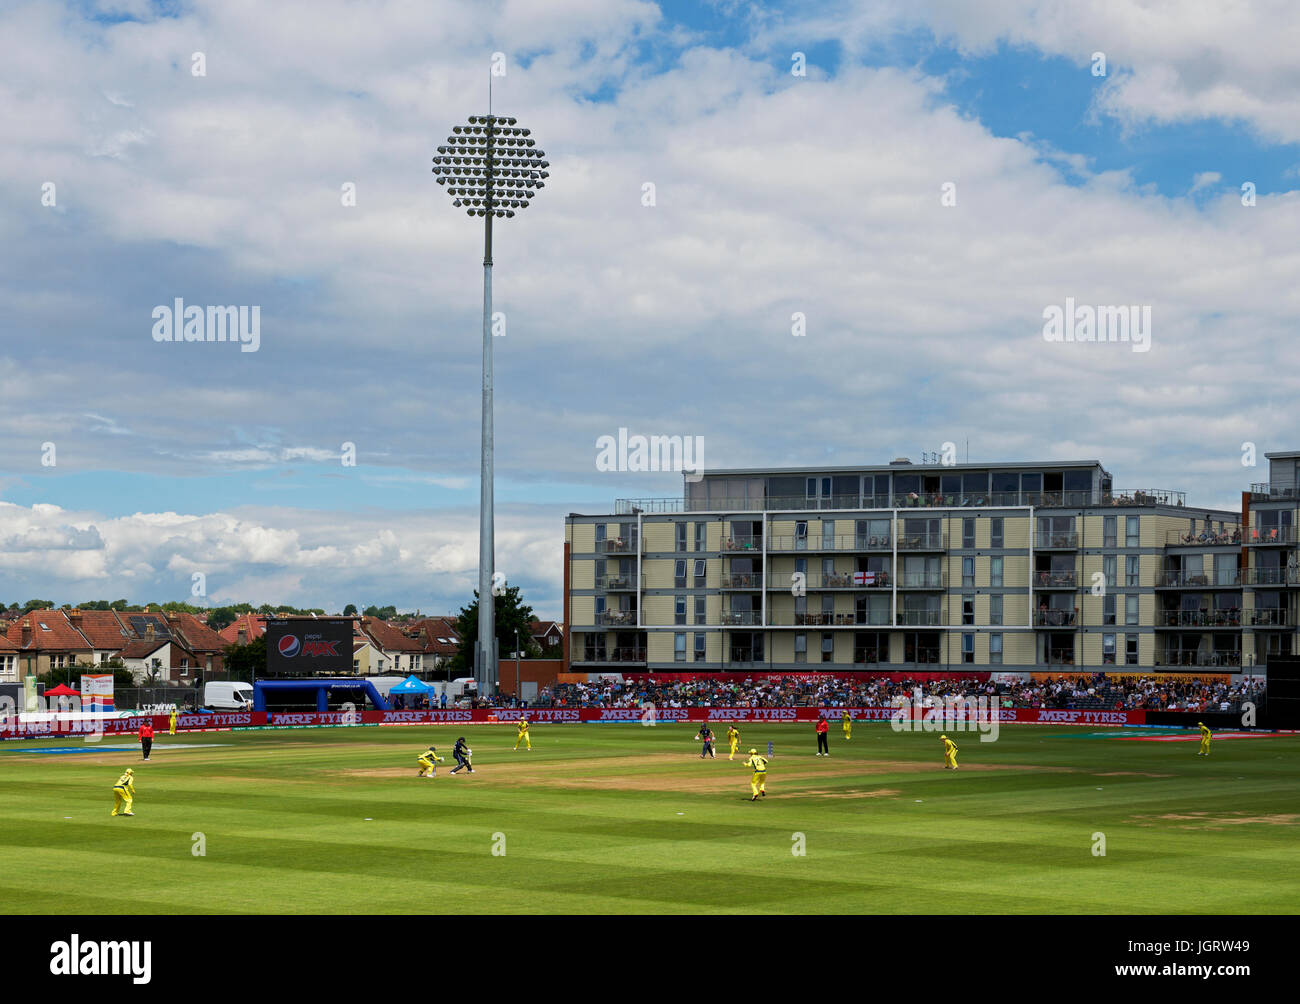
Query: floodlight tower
491, 167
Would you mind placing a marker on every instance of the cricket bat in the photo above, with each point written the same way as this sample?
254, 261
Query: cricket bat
769, 747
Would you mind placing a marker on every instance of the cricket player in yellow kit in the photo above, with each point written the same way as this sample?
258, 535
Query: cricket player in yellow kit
949, 753
171, 728
757, 784
1206, 736
124, 794
523, 733
733, 739
847, 722
428, 761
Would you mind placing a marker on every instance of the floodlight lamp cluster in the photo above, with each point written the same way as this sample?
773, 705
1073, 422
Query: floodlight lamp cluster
491, 166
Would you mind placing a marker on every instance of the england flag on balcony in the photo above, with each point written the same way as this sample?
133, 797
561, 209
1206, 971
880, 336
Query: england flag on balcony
864, 578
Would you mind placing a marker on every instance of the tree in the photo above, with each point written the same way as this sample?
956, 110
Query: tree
245, 662
387, 613
512, 615
221, 617
350, 610
37, 605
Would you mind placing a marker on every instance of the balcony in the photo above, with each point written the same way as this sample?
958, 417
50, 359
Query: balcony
1056, 540
867, 618
616, 545
742, 542
1052, 618
1269, 618
1231, 535
821, 542
1270, 535
742, 580
1273, 576
923, 580
614, 655
925, 541
1230, 618
617, 618
1269, 493
742, 618
833, 580
1225, 658
1198, 580
919, 618
1056, 580
616, 583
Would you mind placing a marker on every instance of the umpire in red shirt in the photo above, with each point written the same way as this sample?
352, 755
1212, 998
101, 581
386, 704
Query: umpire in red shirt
146, 737
823, 726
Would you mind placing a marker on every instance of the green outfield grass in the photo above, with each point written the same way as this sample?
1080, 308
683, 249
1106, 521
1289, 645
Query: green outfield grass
622, 818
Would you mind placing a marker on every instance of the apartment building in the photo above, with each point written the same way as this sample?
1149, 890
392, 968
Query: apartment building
905, 567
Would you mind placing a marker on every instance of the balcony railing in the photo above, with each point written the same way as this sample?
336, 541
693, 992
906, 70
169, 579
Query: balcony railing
1269, 618
837, 542
1273, 576
907, 500
922, 580
1055, 539
616, 545
742, 542
931, 540
919, 618
1195, 538
617, 618
1173, 657
1056, 580
1199, 618
833, 580
1265, 492
614, 655
1190, 580
742, 618
742, 580
616, 583
1055, 618
1271, 535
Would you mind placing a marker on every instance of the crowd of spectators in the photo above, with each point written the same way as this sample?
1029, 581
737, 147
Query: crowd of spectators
1074, 692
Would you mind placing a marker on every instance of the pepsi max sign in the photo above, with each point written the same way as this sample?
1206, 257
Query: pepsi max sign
308, 646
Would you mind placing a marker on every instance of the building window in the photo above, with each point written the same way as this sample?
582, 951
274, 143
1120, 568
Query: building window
699, 646
1130, 609
995, 571
801, 648
1108, 569
968, 532
1131, 570
600, 607
679, 646
679, 530
1108, 608
995, 609
828, 646
1108, 650
679, 610
968, 647
699, 573
968, 609
1132, 533
700, 617
1108, 524
600, 536
995, 532
679, 573
968, 571
1130, 650
699, 536
995, 649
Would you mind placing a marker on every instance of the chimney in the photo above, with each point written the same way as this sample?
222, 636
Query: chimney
148, 630
74, 618
27, 631
242, 634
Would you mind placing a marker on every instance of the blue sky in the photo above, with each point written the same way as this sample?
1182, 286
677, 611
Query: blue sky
774, 194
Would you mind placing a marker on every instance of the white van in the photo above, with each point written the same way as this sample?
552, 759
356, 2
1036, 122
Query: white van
227, 695
462, 688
